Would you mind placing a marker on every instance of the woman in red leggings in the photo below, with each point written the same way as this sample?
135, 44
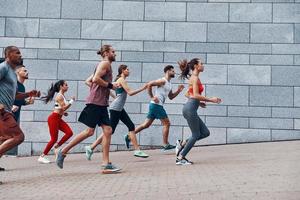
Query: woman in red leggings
55, 121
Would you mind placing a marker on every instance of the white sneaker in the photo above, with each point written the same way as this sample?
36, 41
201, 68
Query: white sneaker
43, 160
183, 161
88, 152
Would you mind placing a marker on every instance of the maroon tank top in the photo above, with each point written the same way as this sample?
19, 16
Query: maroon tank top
100, 95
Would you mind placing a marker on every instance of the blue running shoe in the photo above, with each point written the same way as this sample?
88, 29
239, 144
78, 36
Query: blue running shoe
60, 159
127, 141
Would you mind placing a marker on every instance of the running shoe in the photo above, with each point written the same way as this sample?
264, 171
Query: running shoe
60, 159
88, 152
183, 161
43, 160
141, 154
110, 169
127, 140
168, 147
104, 165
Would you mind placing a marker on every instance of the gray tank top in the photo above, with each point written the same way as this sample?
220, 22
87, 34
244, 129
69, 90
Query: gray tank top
119, 101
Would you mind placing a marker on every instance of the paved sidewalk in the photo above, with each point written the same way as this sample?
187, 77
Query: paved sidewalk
247, 171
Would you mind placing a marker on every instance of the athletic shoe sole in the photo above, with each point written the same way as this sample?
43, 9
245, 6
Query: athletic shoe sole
41, 162
178, 163
141, 156
115, 171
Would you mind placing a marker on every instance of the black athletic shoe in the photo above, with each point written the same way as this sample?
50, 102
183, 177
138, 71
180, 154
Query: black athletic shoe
168, 147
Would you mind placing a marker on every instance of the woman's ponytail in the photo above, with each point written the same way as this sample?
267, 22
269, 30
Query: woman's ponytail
52, 90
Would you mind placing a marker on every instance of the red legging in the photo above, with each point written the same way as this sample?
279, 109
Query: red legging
55, 124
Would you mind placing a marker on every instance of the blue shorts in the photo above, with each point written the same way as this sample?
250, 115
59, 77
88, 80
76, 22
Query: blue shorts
156, 112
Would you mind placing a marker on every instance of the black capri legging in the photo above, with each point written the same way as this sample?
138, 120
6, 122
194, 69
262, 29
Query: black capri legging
116, 116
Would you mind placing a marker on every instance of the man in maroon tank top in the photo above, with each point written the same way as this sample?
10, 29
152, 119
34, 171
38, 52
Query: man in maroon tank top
95, 113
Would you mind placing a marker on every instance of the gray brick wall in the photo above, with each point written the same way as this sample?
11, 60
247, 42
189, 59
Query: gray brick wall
251, 49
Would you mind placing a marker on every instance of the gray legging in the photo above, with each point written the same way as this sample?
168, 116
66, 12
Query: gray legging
198, 128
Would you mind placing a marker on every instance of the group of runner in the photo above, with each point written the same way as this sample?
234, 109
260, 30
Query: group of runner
98, 112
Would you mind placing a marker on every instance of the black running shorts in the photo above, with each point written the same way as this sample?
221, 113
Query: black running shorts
93, 115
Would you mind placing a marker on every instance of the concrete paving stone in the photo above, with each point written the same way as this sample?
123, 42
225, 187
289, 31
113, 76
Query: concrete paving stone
247, 171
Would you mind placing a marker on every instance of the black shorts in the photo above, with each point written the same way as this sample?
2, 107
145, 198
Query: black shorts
93, 115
